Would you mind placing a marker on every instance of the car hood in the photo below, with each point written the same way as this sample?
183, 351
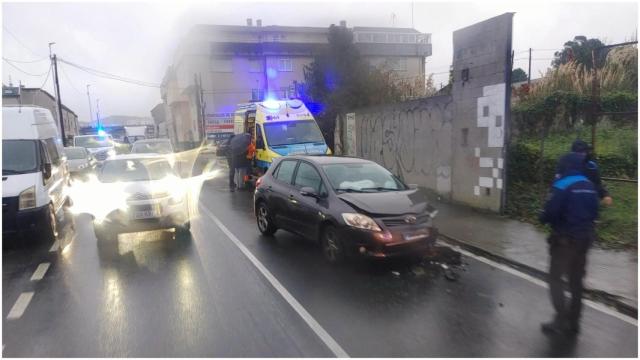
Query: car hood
99, 149
388, 202
75, 163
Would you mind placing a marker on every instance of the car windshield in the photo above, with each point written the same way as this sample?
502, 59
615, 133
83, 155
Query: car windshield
75, 153
135, 170
158, 147
93, 141
19, 157
362, 177
292, 132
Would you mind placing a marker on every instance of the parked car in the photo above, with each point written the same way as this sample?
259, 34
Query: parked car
349, 205
100, 146
34, 173
145, 193
152, 146
80, 161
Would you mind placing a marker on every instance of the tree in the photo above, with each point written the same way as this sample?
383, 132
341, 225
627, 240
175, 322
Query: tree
518, 75
579, 50
339, 80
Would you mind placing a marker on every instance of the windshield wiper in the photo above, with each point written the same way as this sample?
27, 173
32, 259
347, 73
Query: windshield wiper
349, 190
380, 188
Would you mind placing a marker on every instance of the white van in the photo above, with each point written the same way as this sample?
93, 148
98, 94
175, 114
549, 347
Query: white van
35, 176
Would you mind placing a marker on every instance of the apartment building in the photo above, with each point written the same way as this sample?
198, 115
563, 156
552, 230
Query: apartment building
237, 64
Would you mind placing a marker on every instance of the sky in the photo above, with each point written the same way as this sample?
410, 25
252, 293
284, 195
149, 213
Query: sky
137, 40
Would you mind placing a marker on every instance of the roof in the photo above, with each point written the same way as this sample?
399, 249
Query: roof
50, 96
385, 29
270, 28
325, 160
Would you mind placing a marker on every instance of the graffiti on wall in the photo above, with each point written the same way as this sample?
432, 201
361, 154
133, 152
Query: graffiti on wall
413, 140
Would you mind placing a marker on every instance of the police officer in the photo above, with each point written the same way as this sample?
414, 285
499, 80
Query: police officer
571, 210
591, 170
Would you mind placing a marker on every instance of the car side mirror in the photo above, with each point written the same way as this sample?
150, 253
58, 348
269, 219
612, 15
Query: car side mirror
309, 191
412, 186
47, 171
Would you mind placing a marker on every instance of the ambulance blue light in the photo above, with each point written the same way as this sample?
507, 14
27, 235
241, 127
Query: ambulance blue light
101, 132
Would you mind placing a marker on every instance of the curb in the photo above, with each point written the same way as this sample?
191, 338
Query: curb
591, 294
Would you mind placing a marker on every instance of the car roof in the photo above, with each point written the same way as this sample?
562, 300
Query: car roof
325, 160
151, 140
137, 156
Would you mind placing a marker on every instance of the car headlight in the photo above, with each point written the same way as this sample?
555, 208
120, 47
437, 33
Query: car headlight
360, 221
111, 153
27, 199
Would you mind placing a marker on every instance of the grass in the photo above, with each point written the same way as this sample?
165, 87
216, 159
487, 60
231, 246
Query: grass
617, 226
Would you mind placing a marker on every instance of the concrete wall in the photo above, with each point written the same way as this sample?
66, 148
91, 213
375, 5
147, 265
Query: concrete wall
481, 103
412, 139
452, 144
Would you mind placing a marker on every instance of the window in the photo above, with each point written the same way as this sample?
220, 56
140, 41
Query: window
52, 149
19, 156
285, 64
221, 64
379, 38
255, 65
285, 171
365, 37
307, 176
259, 139
257, 94
465, 137
397, 63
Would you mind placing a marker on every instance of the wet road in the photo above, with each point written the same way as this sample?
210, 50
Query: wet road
227, 291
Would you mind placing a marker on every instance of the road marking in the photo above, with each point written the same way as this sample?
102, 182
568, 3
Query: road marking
594, 305
20, 306
311, 322
54, 247
40, 271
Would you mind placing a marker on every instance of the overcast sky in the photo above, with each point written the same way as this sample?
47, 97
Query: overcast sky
136, 40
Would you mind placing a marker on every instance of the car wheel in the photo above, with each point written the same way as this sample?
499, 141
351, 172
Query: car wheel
107, 241
184, 230
51, 228
265, 223
332, 246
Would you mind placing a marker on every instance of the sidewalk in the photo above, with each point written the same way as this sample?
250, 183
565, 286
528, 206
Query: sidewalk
613, 272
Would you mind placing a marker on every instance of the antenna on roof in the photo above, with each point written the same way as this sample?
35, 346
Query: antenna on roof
10, 83
19, 96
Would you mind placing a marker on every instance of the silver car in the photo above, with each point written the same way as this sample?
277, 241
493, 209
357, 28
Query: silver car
79, 160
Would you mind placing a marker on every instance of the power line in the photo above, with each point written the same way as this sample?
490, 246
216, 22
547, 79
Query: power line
20, 41
46, 78
29, 61
107, 75
22, 71
64, 73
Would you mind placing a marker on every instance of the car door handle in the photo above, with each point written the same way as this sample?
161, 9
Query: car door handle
292, 199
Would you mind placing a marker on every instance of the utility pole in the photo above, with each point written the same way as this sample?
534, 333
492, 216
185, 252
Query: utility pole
98, 113
529, 73
58, 102
90, 110
412, 15
56, 89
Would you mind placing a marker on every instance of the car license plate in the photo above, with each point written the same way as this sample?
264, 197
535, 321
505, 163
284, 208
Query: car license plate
148, 212
416, 236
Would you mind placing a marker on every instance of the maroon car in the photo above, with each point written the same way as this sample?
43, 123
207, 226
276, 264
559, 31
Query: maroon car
351, 206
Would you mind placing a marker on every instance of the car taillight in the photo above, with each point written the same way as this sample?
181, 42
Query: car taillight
259, 181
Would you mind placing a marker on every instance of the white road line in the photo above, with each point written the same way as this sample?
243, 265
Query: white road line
597, 306
54, 247
313, 324
40, 271
20, 306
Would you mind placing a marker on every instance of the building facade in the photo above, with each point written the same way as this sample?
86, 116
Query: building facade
217, 67
39, 97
